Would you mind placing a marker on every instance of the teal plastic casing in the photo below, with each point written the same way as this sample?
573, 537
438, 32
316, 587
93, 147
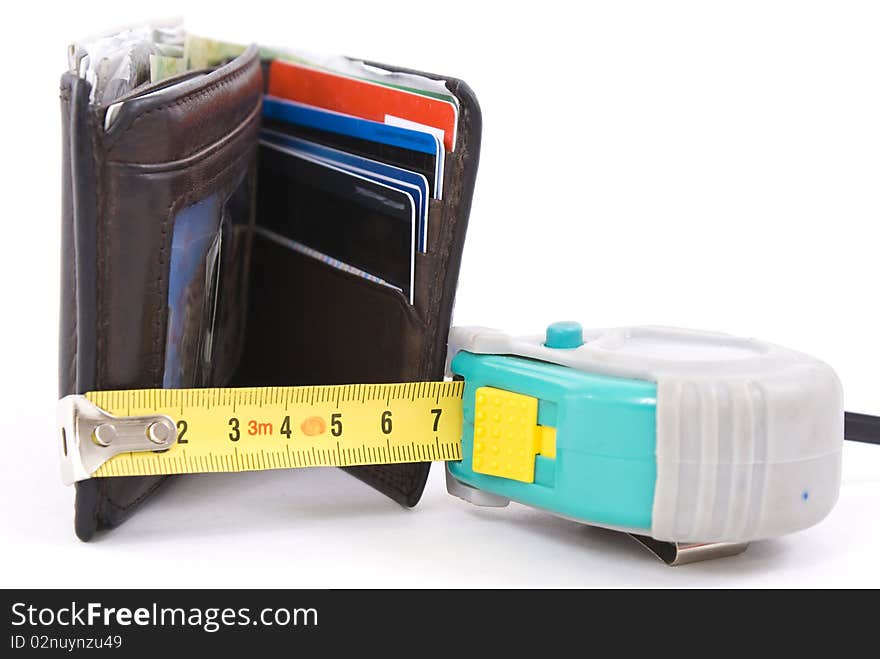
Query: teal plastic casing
605, 468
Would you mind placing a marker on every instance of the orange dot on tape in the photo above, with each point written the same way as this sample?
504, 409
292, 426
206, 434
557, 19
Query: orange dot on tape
314, 425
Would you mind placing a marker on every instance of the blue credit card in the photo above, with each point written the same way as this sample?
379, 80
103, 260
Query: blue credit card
318, 119
403, 179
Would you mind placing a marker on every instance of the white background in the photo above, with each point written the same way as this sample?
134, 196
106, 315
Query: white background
712, 165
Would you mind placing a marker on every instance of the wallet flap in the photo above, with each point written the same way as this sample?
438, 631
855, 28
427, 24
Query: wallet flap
169, 150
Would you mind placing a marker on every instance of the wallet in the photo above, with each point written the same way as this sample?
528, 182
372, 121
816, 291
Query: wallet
177, 272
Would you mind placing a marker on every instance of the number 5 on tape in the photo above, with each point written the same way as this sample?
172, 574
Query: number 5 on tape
178, 431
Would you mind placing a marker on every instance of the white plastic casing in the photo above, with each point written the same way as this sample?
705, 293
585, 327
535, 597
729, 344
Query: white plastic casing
749, 434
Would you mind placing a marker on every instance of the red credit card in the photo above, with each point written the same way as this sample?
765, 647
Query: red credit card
360, 98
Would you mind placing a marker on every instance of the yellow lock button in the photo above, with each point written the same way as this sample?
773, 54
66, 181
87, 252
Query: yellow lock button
507, 436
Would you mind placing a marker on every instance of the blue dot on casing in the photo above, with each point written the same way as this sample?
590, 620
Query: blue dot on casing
565, 335
805, 495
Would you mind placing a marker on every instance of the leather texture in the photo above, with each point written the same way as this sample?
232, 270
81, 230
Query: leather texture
437, 279
123, 189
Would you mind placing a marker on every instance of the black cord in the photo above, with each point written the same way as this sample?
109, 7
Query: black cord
861, 428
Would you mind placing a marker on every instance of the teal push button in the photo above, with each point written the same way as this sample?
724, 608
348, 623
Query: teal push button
565, 335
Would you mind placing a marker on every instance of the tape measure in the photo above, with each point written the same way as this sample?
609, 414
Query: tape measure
676, 436
175, 431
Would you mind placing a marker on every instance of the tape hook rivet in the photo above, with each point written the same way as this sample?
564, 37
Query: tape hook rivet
159, 432
104, 434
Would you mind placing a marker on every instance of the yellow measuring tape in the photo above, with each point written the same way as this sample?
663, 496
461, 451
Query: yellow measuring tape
229, 430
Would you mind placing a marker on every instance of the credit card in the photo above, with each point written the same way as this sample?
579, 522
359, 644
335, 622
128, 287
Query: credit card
402, 179
402, 147
368, 225
361, 98
351, 68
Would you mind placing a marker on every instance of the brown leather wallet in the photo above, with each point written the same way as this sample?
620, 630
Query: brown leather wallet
254, 313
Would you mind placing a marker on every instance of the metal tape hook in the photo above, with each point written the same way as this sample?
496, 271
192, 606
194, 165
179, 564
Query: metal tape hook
90, 436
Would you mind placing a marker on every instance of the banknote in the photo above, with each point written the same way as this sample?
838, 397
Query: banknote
116, 64
163, 66
202, 53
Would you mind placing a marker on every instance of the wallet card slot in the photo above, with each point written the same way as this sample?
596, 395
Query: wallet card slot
360, 222
321, 257
310, 323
